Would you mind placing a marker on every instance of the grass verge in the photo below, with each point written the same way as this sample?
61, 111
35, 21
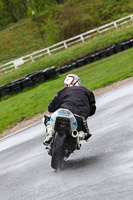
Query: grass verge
35, 100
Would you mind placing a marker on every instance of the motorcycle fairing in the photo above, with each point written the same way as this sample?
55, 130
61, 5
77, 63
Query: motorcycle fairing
64, 113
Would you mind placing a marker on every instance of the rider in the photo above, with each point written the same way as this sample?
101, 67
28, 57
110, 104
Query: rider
76, 98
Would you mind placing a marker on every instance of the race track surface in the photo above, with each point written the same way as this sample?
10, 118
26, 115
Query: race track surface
101, 170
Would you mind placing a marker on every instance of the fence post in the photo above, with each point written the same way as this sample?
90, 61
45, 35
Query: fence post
15, 66
48, 52
81, 36
98, 30
65, 45
115, 24
31, 58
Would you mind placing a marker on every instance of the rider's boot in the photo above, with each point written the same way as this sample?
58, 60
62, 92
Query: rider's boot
87, 136
84, 136
87, 132
50, 134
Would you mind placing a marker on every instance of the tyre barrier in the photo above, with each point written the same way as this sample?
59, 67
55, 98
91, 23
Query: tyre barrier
4, 90
36, 77
80, 62
88, 59
110, 50
126, 45
27, 81
49, 72
118, 48
103, 53
40, 76
95, 57
64, 69
15, 86
69, 66
131, 42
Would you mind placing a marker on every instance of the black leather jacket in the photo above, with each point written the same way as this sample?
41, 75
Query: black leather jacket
78, 99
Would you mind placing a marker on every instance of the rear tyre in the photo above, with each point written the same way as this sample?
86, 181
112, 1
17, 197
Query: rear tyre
58, 151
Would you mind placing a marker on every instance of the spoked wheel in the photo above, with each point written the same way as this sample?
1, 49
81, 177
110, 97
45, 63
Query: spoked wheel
58, 152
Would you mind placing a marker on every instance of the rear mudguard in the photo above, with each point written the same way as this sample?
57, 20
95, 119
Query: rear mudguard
58, 150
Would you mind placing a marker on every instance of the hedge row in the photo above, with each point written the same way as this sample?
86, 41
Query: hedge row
40, 76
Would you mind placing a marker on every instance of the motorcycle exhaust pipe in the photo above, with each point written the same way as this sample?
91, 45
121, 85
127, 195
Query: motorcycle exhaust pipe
75, 134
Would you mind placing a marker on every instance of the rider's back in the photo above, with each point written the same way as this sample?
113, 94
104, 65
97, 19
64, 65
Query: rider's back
78, 99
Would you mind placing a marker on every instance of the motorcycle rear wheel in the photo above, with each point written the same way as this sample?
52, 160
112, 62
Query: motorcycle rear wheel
58, 151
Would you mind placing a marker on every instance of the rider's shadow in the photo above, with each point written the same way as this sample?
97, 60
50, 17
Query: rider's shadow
82, 162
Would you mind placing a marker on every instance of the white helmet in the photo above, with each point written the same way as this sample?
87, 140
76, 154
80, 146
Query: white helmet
72, 80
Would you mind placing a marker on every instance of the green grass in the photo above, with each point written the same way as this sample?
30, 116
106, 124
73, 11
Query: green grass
59, 58
35, 100
18, 40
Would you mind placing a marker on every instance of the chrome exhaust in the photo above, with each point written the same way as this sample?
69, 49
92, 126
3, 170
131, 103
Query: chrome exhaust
75, 134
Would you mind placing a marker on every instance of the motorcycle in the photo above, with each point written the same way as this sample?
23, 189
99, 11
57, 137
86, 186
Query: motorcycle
65, 140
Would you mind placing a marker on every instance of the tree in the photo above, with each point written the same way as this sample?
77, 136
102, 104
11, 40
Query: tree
70, 20
10, 9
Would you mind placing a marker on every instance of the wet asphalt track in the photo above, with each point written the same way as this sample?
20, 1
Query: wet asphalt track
101, 170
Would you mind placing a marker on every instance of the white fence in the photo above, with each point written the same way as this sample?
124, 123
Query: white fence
7, 67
